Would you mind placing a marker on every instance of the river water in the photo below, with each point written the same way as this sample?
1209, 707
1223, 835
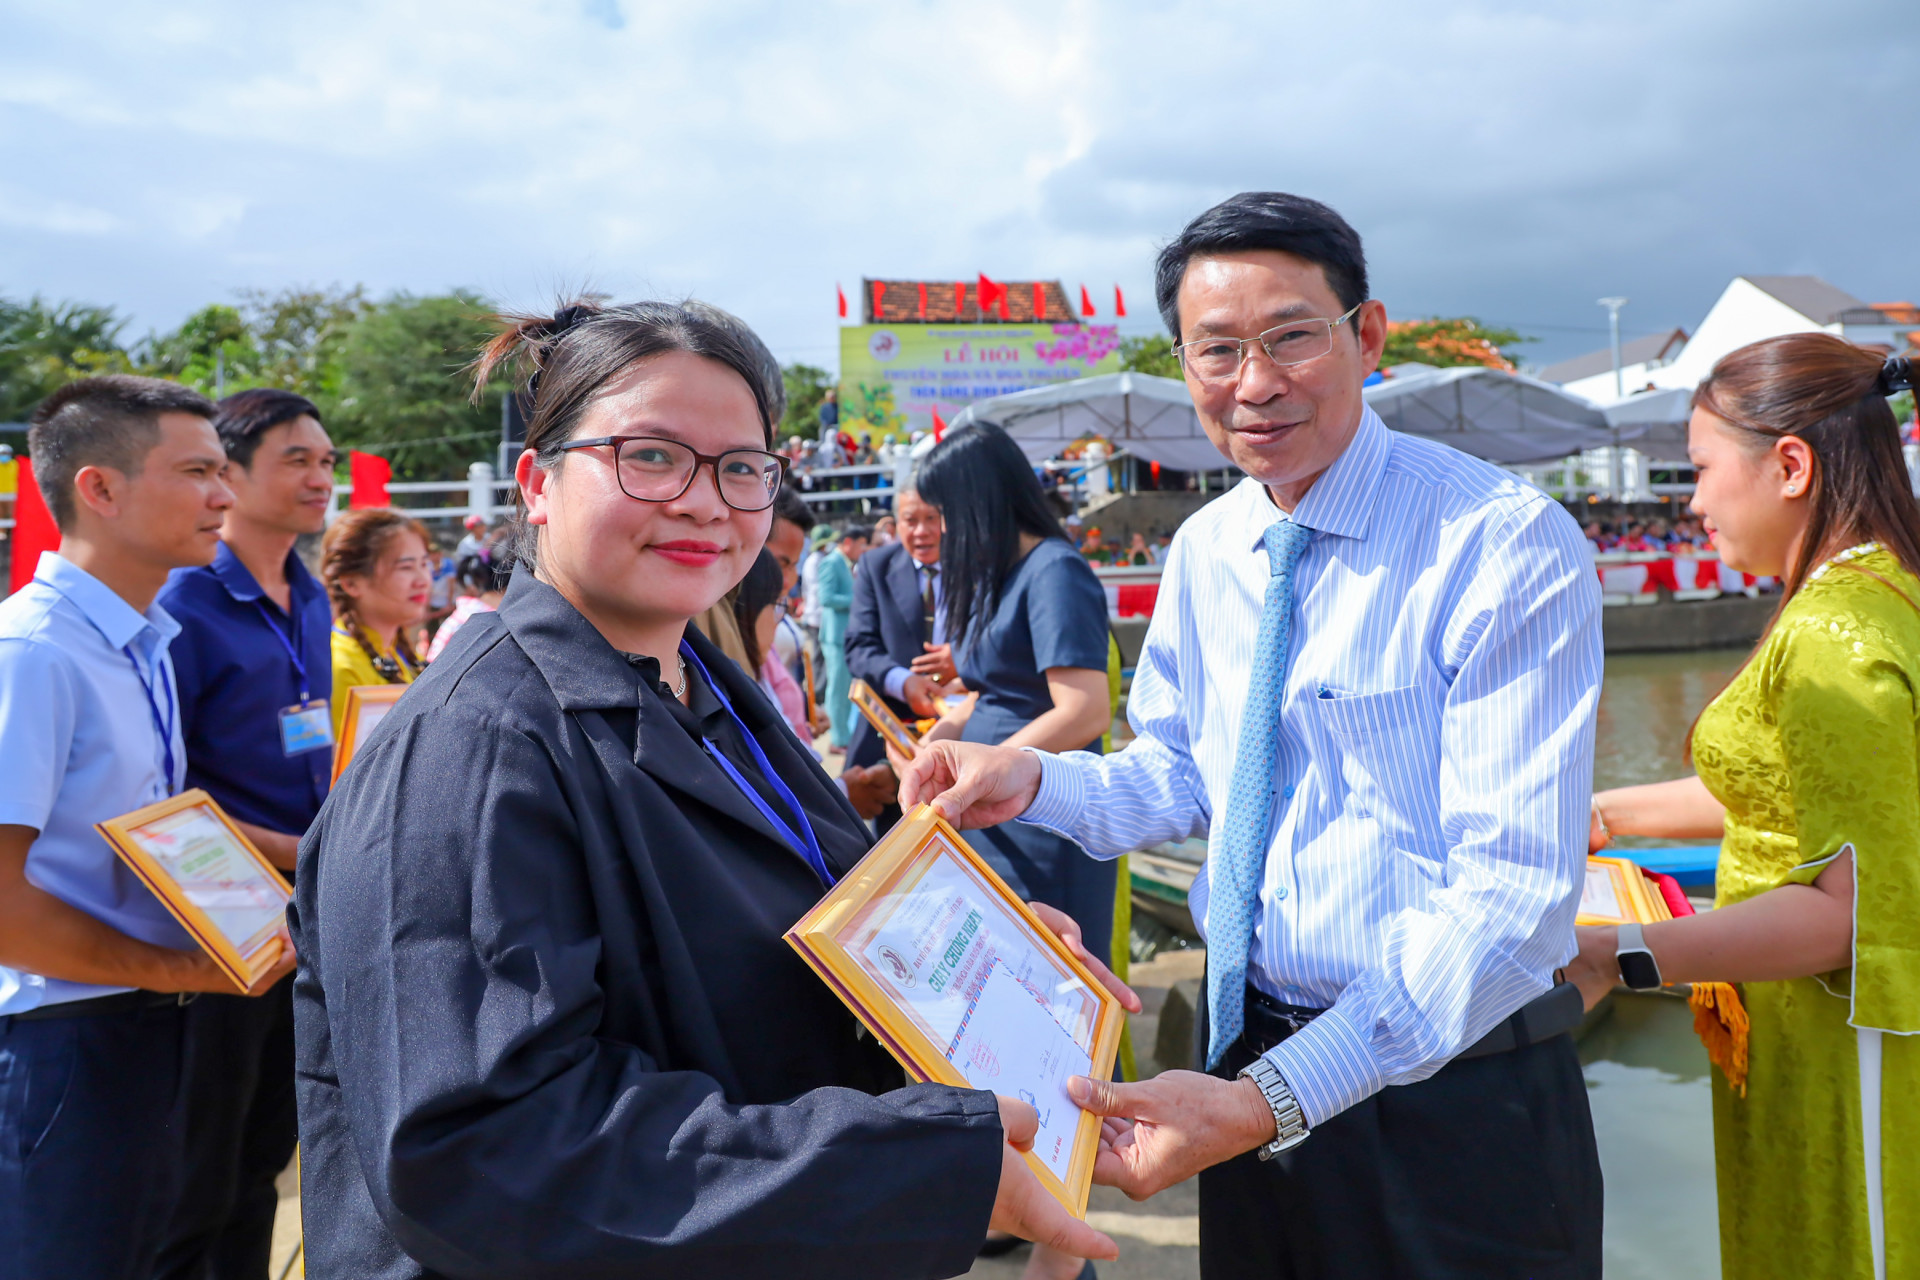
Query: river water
1647, 1077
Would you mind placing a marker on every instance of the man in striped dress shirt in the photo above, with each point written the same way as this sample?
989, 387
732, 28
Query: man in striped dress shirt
1370, 680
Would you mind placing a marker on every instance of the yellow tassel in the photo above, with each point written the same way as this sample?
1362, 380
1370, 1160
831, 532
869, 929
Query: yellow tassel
1720, 1020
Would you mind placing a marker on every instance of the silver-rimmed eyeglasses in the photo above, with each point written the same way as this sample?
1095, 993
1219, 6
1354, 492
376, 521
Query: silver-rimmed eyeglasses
656, 469
1295, 342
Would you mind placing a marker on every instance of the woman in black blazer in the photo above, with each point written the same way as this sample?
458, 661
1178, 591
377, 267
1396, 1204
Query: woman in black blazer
547, 1023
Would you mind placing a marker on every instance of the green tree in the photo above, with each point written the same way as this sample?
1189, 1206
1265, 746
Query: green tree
403, 390
1447, 342
1152, 354
45, 345
300, 332
806, 388
213, 351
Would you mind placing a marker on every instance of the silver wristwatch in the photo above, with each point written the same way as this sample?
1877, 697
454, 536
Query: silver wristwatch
1290, 1126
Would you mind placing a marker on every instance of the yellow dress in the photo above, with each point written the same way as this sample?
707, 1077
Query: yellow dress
352, 666
1814, 749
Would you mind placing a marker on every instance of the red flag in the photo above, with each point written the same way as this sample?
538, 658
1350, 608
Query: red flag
33, 528
990, 294
369, 473
1086, 302
960, 300
1039, 300
840, 294
923, 299
939, 424
879, 292
1119, 302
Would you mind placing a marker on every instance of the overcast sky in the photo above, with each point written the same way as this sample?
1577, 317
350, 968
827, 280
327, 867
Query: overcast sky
1509, 161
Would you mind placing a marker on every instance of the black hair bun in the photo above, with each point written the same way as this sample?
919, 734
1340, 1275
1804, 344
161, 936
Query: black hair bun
1896, 375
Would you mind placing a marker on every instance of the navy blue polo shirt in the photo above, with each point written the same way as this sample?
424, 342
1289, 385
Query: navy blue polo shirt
236, 677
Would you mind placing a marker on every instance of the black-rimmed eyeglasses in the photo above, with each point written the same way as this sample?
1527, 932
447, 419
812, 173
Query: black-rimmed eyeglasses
655, 469
1296, 342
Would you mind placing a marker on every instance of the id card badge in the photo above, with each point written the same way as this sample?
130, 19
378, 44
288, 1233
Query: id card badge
306, 726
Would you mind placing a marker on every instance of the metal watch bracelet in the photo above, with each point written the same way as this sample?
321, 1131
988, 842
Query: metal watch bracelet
1290, 1125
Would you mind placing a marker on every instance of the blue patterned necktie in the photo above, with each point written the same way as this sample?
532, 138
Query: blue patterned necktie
1239, 851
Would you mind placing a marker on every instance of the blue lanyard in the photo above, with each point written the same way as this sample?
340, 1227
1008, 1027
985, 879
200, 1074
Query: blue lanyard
163, 727
808, 848
299, 663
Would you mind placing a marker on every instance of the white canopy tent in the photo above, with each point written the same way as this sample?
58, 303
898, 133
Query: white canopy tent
1148, 417
1502, 417
1506, 418
1654, 422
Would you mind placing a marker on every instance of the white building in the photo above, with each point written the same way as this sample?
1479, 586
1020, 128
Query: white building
1751, 308
1591, 375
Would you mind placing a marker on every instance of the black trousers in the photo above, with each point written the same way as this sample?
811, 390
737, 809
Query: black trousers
90, 1140
1486, 1169
241, 1131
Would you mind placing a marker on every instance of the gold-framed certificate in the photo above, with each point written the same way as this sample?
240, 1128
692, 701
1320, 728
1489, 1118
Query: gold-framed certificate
1616, 891
216, 884
889, 726
961, 981
367, 705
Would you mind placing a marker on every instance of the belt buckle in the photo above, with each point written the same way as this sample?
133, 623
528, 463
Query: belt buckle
182, 999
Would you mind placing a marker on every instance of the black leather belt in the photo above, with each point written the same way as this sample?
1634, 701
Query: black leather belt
1269, 1021
101, 1006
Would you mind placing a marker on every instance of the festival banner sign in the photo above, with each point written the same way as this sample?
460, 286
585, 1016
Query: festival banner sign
947, 367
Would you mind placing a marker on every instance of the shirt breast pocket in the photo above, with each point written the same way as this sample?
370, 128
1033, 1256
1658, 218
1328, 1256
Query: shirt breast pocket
1387, 748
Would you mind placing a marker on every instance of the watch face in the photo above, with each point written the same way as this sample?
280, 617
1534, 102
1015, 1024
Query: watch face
1638, 970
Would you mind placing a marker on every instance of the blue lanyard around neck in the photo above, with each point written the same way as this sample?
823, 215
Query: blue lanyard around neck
293, 654
805, 843
161, 725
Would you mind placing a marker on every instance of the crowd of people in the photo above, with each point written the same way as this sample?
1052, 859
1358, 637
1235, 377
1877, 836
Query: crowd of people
535, 1015
1683, 537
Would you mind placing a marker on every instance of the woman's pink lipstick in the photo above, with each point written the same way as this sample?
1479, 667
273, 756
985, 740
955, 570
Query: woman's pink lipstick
688, 552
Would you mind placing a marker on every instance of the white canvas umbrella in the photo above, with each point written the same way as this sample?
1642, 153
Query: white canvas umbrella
1654, 422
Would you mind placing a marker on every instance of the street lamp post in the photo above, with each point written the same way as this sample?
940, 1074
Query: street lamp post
1613, 306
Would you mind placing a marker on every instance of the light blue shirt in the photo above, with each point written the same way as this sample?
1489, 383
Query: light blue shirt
78, 745
1430, 813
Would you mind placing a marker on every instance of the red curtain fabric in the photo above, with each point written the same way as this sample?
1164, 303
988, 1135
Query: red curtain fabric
369, 473
33, 529
1086, 302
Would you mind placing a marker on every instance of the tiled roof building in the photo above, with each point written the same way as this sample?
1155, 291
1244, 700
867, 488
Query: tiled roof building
958, 302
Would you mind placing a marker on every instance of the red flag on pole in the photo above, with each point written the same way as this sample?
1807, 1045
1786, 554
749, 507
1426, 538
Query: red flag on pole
1039, 300
1119, 302
991, 294
960, 300
841, 295
1086, 302
369, 473
879, 292
939, 424
923, 299
33, 528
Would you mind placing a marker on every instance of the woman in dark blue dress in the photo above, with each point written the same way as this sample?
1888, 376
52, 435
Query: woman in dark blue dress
1029, 627
1028, 624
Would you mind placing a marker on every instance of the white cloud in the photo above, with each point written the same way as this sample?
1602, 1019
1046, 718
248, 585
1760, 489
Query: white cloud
1505, 159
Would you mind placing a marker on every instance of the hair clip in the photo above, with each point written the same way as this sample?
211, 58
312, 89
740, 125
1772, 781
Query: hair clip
1896, 375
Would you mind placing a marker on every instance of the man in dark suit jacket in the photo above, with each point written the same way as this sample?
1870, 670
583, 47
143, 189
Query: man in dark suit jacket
893, 629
